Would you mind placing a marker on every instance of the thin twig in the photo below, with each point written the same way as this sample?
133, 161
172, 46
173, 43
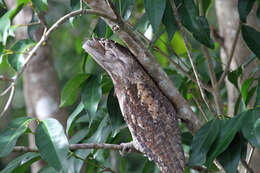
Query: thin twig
9, 101
175, 11
248, 159
4, 78
7, 89
199, 106
43, 39
46, 34
214, 83
77, 146
41, 19
29, 24
180, 68
231, 55
246, 166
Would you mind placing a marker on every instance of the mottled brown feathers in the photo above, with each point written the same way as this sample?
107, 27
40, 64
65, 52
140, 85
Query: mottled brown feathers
150, 116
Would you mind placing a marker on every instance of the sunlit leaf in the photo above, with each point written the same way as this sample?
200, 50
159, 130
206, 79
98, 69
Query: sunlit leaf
9, 136
154, 10
52, 142
251, 37
202, 142
251, 127
20, 50
5, 24
70, 91
177, 44
244, 8
20, 161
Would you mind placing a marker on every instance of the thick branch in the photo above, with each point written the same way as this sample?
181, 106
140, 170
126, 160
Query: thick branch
149, 63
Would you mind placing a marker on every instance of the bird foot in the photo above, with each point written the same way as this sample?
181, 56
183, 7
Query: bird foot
126, 148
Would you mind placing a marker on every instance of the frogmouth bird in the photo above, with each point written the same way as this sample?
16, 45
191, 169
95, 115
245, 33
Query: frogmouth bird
150, 116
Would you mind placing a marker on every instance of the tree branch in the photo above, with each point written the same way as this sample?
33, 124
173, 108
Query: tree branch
149, 63
214, 83
78, 146
231, 55
43, 39
175, 11
176, 65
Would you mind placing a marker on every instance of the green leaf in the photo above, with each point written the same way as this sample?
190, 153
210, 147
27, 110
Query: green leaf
52, 142
79, 136
73, 116
169, 21
5, 20
244, 8
5, 24
154, 10
206, 4
19, 161
250, 95
100, 28
233, 76
245, 88
257, 101
202, 34
229, 159
177, 44
1, 52
198, 26
9, 136
114, 112
107, 84
228, 130
69, 93
202, 142
74, 4
102, 132
251, 37
186, 138
125, 8
258, 14
91, 95
251, 127
41, 5
20, 48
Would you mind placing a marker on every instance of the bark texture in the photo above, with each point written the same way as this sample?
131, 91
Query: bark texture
150, 116
40, 82
228, 20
